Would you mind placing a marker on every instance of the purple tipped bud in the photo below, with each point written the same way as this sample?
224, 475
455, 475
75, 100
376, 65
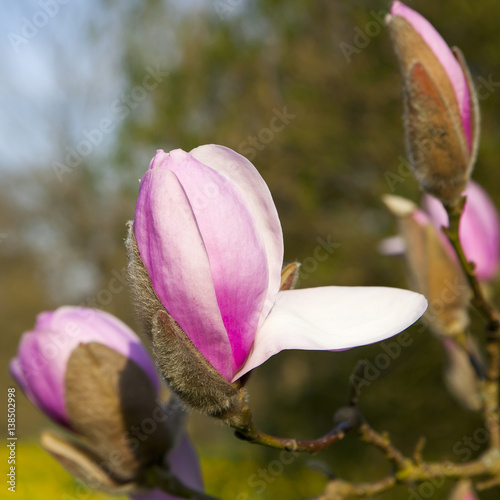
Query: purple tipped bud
42, 360
441, 112
432, 270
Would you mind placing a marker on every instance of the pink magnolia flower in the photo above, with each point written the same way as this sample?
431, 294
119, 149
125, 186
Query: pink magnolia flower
43, 353
446, 58
479, 230
210, 239
41, 365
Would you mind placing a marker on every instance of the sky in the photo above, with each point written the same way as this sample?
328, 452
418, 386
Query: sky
60, 71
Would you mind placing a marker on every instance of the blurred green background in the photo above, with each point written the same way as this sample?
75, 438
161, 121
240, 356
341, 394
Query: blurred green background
222, 70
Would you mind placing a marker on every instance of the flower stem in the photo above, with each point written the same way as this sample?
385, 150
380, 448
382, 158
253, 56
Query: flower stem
490, 386
345, 419
253, 435
383, 443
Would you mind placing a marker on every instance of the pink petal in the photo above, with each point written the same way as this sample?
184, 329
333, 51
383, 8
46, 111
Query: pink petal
258, 198
479, 229
206, 259
42, 369
328, 318
445, 56
172, 249
43, 353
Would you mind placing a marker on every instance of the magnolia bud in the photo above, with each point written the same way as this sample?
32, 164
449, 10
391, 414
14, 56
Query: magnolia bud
205, 265
432, 270
441, 110
185, 369
290, 276
107, 396
90, 373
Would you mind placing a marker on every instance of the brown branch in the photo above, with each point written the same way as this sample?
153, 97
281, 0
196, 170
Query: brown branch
345, 419
383, 443
340, 490
253, 435
417, 473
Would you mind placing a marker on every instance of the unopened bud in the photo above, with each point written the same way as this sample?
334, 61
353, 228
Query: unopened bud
432, 270
110, 402
186, 370
289, 276
441, 110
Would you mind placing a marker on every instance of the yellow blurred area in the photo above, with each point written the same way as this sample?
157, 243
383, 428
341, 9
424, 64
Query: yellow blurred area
40, 477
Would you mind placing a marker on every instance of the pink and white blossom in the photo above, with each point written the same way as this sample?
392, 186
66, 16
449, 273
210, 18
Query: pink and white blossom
210, 238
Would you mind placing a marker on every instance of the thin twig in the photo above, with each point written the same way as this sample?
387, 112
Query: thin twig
253, 435
490, 386
383, 443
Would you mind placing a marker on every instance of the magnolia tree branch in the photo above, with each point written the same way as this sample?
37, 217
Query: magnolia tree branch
490, 386
479, 301
251, 434
410, 471
346, 419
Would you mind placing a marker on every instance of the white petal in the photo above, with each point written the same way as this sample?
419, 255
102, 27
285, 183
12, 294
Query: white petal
330, 318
